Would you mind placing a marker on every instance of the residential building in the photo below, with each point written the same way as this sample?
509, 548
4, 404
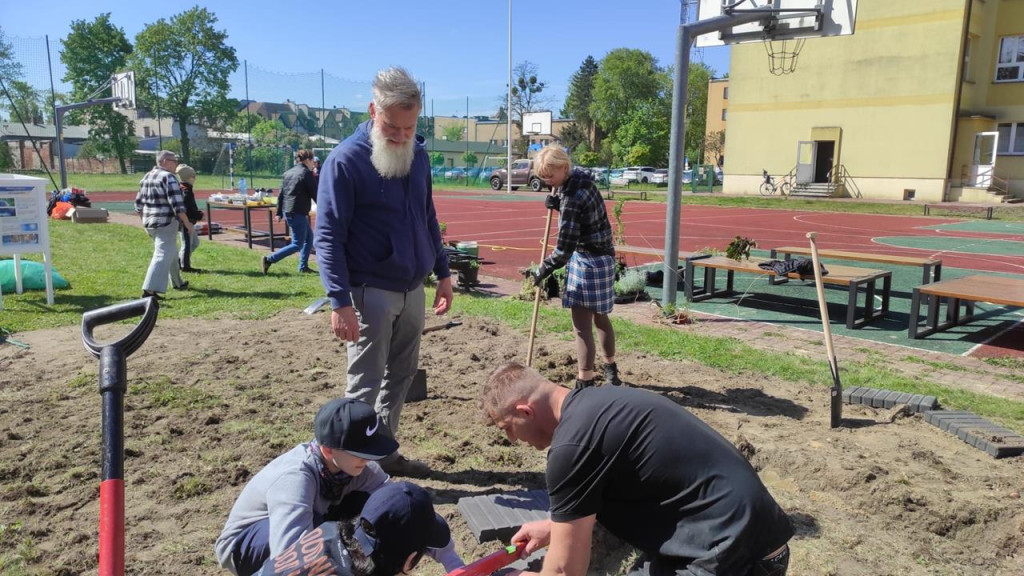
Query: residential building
925, 101
714, 123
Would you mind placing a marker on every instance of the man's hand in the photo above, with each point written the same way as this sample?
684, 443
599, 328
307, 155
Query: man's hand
345, 324
541, 273
553, 202
443, 296
536, 535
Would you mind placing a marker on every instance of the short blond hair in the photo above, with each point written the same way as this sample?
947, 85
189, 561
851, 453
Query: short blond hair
550, 159
508, 385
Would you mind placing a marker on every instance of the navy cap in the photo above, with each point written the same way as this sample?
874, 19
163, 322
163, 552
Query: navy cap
352, 425
403, 521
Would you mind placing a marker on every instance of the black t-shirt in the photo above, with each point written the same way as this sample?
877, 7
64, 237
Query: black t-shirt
316, 552
663, 480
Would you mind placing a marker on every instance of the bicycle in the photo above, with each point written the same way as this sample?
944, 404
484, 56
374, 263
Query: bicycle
769, 187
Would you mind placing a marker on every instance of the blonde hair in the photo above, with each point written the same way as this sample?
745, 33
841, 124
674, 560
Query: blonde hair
186, 174
550, 159
508, 384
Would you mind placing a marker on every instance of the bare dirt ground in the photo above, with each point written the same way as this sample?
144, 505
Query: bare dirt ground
211, 401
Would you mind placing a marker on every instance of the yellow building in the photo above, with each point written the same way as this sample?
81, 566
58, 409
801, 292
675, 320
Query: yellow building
714, 122
908, 107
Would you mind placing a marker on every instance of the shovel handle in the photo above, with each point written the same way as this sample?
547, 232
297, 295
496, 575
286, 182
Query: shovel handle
145, 307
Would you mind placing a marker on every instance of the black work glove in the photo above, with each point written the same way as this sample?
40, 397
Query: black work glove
553, 202
541, 273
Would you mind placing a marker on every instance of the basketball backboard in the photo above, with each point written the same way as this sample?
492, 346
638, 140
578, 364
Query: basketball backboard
122, 86
783, 20
537, 122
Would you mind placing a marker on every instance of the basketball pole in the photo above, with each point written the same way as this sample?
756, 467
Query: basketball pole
677, 143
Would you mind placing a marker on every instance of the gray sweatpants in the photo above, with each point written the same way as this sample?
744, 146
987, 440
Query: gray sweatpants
382, 364
164, 264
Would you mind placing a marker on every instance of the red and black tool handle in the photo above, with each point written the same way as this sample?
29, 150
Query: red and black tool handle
113, 380
492, 562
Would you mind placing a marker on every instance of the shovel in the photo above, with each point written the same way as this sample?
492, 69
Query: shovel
113, 383
445, 326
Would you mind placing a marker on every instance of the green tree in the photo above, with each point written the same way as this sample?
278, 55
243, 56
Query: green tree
436, 159
470, 159
587, 158
625, 78
643, 136
574, 137
526, 94
28, 102
696, 109
6, 158
581, 96
182, 65
92, 53
10, 69
714, 147
453, 132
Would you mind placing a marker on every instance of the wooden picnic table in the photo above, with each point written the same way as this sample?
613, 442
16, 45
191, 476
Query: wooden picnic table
967, 290
853, 278
247, 210
932, 266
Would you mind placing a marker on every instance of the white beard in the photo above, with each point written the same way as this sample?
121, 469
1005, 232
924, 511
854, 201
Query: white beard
390, 161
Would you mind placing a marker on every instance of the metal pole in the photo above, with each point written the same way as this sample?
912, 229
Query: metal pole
677, 142
323, 107
508, 108
248, 125
467, 141
53, 100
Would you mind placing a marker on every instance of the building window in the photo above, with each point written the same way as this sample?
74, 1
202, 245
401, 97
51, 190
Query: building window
725, 93
1010, 63
1011, 139
723, 114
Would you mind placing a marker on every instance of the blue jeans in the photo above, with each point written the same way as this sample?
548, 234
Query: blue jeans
252, 548
302, 241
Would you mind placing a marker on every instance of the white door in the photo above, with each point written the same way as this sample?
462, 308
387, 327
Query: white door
805, 155
984, 164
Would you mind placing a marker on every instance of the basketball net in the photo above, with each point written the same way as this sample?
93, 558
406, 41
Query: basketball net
782, 55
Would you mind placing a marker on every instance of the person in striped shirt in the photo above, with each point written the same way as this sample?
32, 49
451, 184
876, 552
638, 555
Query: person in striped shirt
161, 206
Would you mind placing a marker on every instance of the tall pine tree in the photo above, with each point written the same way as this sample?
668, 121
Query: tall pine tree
580, 97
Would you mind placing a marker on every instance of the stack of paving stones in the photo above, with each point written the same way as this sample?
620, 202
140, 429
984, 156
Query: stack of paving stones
499, 517
994, 440
878, 398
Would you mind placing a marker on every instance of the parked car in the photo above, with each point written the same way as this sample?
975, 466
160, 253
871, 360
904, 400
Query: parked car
660, 177
455, 173
522, 175
615, 177
640, 174
719, 176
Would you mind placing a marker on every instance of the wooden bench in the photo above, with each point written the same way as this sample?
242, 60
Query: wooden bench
988, 209
966, 291
851, 277
659, 252
932, 266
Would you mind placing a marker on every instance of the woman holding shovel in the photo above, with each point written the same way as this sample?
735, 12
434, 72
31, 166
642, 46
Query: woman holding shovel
585, 243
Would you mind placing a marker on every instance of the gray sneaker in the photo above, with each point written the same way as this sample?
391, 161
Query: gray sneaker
402, 466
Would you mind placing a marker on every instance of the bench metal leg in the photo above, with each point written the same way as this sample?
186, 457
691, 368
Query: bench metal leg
915, 311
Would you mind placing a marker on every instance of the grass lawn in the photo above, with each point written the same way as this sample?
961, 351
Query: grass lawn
106, 264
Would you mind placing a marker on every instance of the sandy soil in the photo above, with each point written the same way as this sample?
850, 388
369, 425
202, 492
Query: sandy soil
211, 401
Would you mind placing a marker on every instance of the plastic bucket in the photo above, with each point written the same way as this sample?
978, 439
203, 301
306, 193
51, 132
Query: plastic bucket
469, 247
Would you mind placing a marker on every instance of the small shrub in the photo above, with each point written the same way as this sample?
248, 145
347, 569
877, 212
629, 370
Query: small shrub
632, 281
739, 248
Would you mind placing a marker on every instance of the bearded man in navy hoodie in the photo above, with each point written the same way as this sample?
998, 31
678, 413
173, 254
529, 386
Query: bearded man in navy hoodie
376, 239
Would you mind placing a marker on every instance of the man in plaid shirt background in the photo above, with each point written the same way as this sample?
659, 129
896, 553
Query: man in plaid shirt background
161, 206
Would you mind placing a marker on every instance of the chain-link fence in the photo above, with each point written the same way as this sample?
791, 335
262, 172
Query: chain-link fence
277, 113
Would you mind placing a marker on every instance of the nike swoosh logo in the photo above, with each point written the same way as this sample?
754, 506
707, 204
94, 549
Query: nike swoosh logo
376, 424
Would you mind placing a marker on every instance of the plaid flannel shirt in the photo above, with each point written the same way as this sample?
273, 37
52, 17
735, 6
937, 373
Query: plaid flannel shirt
582, 221
159, 199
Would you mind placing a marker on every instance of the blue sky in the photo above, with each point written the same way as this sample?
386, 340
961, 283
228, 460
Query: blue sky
458, 48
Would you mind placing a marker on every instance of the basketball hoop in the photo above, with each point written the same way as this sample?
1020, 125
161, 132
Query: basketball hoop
783, 54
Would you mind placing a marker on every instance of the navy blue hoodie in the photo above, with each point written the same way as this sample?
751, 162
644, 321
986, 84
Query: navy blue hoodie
375, 231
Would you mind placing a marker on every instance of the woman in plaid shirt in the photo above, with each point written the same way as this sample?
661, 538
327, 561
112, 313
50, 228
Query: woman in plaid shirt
585, 243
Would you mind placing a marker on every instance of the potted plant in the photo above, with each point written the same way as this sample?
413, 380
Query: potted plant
630, 287
468, 274
739, 248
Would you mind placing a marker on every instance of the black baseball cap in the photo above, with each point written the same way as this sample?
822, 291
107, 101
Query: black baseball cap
403, 521
352, 425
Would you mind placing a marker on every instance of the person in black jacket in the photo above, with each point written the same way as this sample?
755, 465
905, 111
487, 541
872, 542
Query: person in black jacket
298, 192
189, 238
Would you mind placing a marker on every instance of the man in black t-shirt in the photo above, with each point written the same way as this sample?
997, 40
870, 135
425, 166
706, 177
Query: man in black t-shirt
650, 472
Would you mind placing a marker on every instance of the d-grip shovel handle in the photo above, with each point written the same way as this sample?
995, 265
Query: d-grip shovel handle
145, 307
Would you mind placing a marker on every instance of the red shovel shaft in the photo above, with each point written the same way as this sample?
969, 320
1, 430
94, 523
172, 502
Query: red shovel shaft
491, 563
112, 527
